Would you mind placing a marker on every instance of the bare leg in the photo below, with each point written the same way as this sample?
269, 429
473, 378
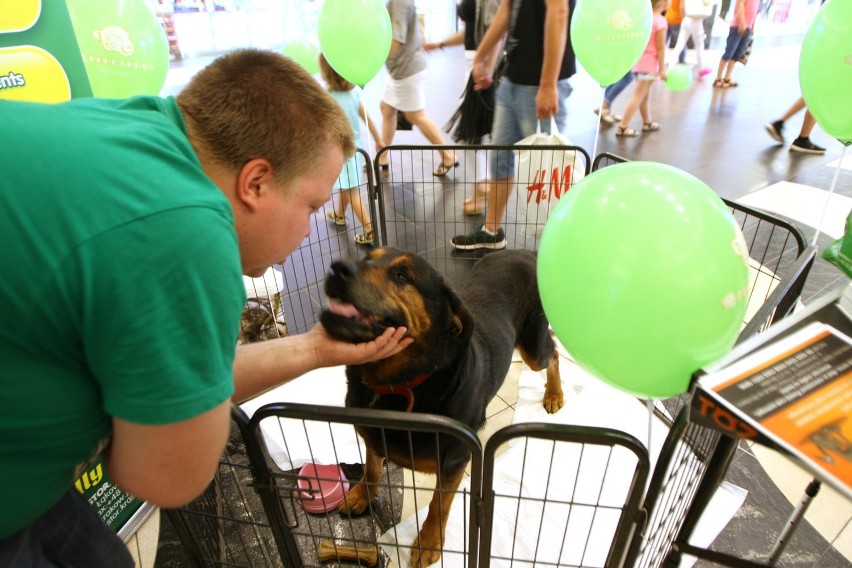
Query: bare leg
342, 203
432, 133
639, 94
388, 127
645, 106
498, 197
729, 69
360, 210
794, 108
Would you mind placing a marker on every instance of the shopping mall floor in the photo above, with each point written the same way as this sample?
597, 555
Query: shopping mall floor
719, 136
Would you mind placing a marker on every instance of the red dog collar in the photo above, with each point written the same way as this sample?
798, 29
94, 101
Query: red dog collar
402, 389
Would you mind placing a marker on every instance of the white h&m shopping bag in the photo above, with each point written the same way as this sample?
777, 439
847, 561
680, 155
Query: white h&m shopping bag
544, 176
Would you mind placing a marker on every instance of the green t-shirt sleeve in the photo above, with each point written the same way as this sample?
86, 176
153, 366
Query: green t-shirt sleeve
161, 302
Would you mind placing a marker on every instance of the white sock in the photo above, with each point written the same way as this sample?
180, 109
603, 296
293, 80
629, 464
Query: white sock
487, 232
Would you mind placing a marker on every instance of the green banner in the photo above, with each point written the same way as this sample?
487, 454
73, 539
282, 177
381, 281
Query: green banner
40, 60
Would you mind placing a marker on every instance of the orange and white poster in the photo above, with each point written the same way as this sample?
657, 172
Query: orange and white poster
797, 392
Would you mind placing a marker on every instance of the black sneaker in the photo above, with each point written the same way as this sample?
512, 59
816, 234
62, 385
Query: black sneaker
775, 129
478, 238
806, 146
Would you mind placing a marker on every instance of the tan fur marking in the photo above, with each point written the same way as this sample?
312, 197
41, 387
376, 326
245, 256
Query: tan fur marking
359, 497
554, 399
426, 548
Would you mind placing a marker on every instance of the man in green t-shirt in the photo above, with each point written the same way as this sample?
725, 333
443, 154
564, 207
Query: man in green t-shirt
126, 226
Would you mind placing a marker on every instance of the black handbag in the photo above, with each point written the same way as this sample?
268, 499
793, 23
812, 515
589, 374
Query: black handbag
402, 122
472, 119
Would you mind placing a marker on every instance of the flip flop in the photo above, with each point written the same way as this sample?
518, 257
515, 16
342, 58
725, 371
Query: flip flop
334, 218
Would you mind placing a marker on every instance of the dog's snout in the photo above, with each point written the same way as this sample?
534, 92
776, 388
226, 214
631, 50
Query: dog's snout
344, 268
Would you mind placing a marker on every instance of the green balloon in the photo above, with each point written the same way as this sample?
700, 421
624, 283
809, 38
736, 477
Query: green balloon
304, 53
355, 37
124, 47
825, 68
609, 36
679, 77
643, 275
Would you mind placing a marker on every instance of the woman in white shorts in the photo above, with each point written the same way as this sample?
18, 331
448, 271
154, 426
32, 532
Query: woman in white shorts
404, 92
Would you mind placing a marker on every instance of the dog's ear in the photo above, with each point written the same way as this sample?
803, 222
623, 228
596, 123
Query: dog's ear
462, 321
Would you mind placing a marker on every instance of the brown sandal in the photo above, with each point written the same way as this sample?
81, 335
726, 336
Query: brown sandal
728, 84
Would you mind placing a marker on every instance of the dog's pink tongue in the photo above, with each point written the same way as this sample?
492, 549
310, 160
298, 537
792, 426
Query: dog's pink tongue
343, 309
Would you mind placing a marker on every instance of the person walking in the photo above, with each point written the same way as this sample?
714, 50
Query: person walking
404, 92
650, 67
802, 143
539, 62
472, 121
692, 26
348, 96
742, 24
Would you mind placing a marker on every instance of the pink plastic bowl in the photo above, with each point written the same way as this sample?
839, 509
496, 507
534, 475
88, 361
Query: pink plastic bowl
321, 487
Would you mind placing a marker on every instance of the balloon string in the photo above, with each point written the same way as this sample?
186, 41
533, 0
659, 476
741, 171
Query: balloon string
598, 128
828, 198
371, 151
650, 405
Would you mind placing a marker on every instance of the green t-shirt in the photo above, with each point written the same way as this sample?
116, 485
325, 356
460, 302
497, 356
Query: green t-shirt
120, 286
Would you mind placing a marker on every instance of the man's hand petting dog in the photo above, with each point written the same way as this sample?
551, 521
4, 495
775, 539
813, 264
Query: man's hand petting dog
336, 352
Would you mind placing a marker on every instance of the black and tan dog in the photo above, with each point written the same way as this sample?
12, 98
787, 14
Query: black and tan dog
460, 356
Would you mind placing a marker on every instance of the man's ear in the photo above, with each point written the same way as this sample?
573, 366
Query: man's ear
253, 180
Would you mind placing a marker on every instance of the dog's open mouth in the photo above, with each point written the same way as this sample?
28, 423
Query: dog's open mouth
344, 321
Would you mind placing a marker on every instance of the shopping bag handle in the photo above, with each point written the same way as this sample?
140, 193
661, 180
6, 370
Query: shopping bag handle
553, 128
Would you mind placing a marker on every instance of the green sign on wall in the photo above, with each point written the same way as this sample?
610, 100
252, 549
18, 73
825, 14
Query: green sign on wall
39, 57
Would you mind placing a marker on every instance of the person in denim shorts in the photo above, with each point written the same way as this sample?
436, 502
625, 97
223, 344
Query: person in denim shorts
742, 25
535, 87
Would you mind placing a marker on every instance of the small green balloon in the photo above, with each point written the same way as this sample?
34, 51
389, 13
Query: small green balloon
679, 77
825, 69
657, 278
608, 36
355, 37
124, 47
304, 53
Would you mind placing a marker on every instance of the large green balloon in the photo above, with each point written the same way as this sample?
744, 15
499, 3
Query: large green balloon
304, 53
355, 37
643, 275
609, 36
124, 47
825, 69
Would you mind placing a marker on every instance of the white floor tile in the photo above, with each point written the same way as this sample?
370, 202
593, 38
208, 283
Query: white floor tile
803, 203
845, 162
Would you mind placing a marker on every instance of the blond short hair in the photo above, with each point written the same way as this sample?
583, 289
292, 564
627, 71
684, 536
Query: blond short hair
251, 103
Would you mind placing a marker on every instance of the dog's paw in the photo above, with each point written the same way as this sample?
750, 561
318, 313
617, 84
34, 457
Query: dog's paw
356, 501
553, 401
424, 553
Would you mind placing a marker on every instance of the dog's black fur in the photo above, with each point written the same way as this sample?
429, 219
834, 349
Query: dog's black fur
463, 341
